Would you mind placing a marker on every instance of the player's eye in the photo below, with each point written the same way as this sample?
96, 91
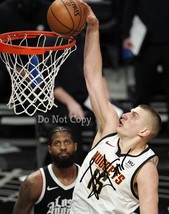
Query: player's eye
67, 142
57, 143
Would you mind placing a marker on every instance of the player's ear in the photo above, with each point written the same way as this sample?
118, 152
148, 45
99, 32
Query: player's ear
144, 133
76, 146
49, 149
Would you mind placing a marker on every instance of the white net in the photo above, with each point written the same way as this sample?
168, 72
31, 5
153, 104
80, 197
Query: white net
33, 76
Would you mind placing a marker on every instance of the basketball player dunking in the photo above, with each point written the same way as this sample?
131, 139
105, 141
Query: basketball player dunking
119, 174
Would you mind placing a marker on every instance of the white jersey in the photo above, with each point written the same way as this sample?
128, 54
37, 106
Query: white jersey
105, 182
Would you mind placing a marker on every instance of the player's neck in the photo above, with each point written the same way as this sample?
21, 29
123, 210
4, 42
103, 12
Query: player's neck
132, 147
65, 175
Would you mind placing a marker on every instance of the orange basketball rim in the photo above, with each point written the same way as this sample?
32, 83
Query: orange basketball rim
33, 59
7, 47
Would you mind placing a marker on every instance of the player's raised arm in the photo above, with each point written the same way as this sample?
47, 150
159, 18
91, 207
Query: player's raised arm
106, 115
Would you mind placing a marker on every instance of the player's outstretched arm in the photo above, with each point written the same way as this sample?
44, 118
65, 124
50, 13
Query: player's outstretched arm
106, 115
28, 194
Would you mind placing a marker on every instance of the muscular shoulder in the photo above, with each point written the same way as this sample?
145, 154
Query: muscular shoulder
29, 193
33, 184
147, 187
147, 178
149, 168
33, 177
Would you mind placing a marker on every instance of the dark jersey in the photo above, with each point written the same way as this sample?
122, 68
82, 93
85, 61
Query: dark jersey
55, 197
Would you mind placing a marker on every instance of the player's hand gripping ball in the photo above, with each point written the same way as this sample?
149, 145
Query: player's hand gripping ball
66, 17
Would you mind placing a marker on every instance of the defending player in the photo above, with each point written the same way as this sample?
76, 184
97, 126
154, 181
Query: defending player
49, 190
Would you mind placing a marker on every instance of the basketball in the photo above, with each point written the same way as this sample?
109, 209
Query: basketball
66, 17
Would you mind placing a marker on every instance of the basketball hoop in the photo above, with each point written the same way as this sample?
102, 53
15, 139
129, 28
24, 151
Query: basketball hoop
33, 59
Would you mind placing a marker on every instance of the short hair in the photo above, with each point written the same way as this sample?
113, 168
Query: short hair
60, 129
156, 119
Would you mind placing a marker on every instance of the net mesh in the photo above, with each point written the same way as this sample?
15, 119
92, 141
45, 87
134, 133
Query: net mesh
33, 76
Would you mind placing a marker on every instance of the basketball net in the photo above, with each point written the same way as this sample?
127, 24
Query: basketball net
32, 73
